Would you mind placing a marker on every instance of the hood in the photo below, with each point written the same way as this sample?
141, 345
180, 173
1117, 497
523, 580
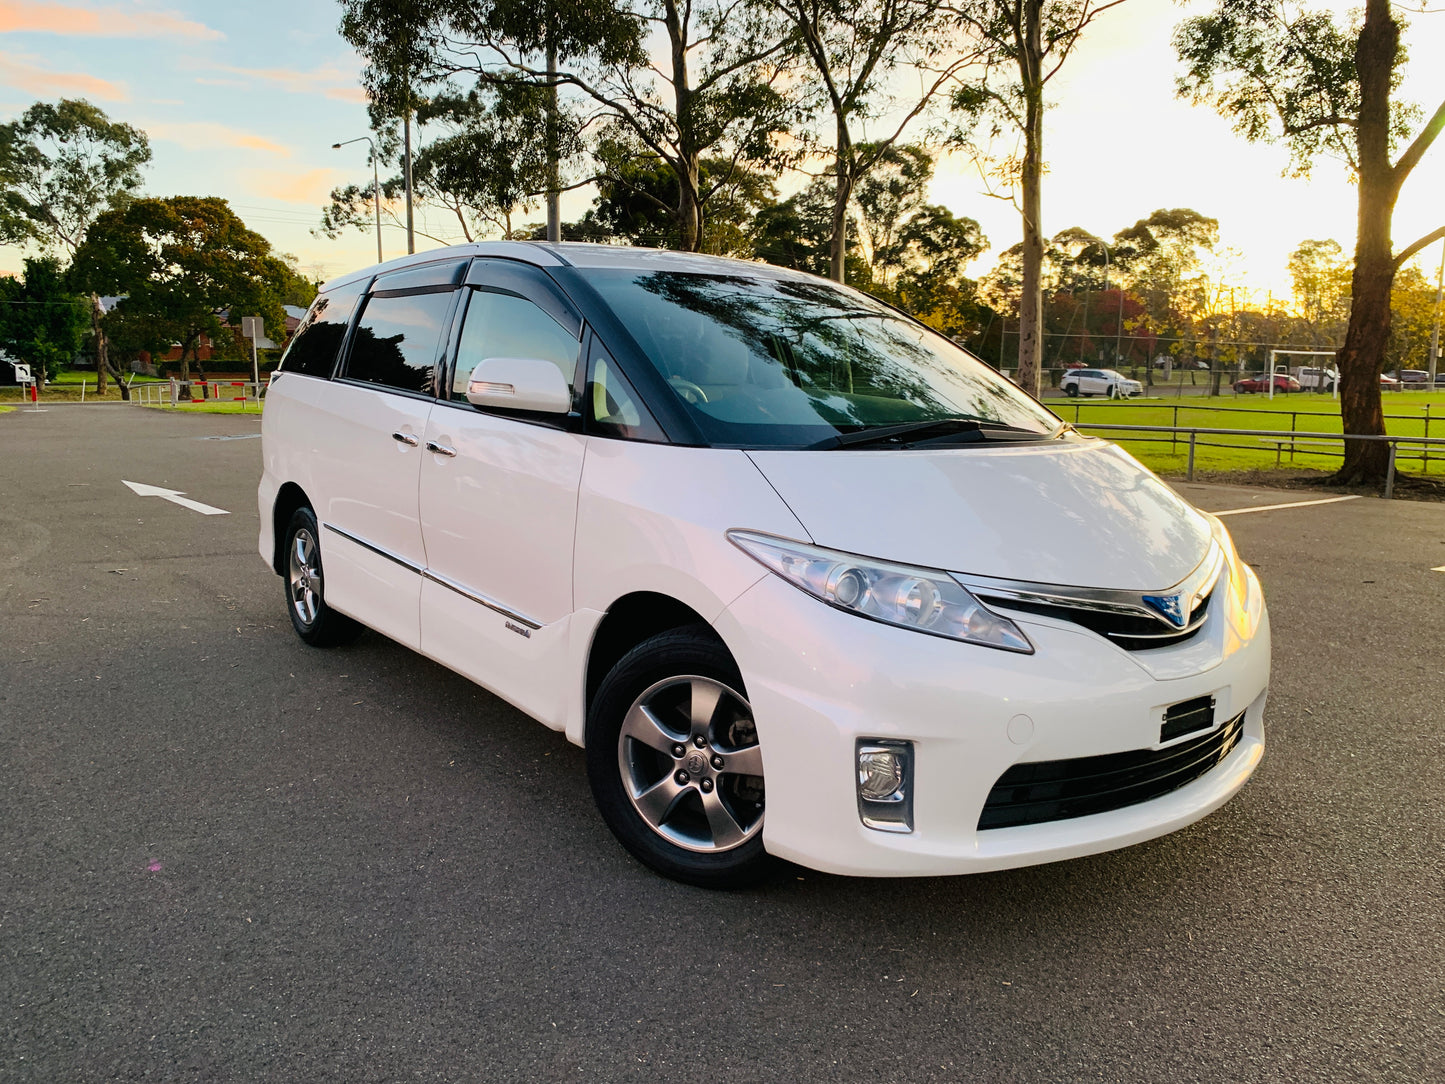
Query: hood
1080, 512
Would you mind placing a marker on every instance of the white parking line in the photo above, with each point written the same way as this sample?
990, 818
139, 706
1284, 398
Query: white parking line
1291, 504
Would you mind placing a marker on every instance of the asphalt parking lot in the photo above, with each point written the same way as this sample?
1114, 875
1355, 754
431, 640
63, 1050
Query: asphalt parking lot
227, 856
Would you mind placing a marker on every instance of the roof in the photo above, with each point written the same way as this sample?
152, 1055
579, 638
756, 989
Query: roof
575, 254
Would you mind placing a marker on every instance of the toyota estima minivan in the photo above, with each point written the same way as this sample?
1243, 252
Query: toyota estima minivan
804, 578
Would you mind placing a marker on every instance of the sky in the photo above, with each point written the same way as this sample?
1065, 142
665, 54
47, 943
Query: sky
244, 100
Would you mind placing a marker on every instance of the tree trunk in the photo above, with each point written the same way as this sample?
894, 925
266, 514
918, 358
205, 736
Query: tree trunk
688, 166
842, 194
1031, 316
185, 370
689, 210
102, 361
554, 139
1363, 355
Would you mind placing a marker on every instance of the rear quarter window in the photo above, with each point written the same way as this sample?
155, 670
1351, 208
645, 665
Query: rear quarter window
313, 348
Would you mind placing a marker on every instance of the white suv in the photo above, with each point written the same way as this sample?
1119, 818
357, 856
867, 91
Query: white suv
1100, 382
803, 577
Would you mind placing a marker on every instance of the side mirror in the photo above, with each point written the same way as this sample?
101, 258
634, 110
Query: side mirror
519, 384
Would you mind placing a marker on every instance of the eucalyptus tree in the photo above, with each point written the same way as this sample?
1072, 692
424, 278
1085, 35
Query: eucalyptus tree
862, 53
1291, 72
1022, 45
886, 197
486, 162
410, 46
61, 165
666, 81
1321, 277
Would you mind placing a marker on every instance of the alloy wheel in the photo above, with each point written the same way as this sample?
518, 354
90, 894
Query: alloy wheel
304, 576
691, 765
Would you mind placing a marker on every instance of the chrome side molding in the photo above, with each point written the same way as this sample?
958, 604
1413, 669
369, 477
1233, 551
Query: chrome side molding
436, 577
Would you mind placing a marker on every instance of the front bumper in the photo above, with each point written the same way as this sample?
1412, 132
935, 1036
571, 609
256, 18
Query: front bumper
819, 680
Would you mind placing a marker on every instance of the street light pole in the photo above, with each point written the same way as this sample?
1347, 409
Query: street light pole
1119, 324
1435, 335
410, 232
375, 186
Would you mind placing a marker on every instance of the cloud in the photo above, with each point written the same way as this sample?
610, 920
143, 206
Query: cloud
19, 72
210, 134
124, 20
329, 80
312, 187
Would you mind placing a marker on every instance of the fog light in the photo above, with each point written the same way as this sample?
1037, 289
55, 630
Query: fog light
885, 784
880, 774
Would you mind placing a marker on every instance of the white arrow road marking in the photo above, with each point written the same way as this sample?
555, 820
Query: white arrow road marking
1441, 568
1291, 504
174, 496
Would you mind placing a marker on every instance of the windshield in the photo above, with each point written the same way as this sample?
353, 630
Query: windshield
786, 363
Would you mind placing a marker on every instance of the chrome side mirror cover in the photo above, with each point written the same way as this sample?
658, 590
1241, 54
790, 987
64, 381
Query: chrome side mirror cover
519, 384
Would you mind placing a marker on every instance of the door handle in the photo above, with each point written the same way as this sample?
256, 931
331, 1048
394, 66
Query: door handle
440, 449
405, 438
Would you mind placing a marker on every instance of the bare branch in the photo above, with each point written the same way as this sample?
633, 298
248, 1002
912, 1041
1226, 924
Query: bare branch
1411, 249
1421, 143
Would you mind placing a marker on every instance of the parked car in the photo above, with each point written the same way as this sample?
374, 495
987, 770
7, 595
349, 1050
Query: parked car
1387, 383
1411, 377
804, 578
1100, 382
1282, 383
1313, 378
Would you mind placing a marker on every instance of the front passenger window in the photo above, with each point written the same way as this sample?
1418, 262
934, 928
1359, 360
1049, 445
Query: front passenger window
507, 326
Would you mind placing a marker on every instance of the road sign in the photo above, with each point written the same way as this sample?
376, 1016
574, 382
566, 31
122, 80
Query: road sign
251, 328
22, 373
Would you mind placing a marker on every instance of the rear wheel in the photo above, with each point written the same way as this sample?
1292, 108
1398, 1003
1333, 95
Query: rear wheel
313, 620
675, 764
1071, 390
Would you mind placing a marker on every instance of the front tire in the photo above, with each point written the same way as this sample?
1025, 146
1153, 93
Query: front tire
314, 621
674, 761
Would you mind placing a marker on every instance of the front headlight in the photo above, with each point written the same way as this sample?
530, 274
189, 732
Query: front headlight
1241, 586
922, 599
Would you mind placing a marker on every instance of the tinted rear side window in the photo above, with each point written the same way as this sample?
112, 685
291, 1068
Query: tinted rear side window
313, 348
396, 341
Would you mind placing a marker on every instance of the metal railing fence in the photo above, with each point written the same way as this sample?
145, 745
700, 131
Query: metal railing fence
168, 393
1176, 435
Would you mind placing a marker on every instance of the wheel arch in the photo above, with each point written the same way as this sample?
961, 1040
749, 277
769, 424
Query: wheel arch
630, 620
289, 498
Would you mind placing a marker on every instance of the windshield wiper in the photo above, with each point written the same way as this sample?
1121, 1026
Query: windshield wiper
935, 432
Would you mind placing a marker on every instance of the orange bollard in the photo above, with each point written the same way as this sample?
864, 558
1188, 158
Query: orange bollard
34, 392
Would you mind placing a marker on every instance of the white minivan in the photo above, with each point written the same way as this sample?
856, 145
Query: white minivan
805, 579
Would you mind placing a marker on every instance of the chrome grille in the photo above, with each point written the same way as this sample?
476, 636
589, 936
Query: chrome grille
1135, 620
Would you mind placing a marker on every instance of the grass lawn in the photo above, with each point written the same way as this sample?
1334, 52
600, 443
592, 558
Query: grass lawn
212, 406
1407, 413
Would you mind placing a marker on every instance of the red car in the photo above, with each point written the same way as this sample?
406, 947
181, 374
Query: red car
1260, 383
